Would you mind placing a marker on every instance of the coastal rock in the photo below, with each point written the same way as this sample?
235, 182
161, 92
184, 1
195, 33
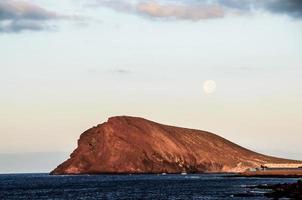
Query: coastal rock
287, 190
135, 145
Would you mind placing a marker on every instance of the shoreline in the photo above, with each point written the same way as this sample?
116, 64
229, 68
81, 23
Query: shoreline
226, 174
286, 173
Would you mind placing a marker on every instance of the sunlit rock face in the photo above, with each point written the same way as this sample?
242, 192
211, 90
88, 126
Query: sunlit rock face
136, 145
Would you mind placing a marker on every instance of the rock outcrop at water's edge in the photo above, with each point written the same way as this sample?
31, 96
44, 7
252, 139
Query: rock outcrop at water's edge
135, 145
286, 190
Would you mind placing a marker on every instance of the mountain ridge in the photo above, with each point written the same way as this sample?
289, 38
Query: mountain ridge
127, 144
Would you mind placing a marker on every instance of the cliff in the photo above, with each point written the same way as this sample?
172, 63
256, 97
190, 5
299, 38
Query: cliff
136, 145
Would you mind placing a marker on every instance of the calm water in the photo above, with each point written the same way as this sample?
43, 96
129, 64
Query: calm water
43, 186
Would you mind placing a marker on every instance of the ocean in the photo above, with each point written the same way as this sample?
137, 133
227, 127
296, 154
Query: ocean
190, 186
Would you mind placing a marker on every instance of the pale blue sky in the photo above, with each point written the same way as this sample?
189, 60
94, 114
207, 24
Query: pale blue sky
73, 64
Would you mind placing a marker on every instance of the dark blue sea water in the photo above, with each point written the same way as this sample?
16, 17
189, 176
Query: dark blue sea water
206, 186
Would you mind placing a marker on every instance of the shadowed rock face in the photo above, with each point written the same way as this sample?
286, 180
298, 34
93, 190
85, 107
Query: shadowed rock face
136, 145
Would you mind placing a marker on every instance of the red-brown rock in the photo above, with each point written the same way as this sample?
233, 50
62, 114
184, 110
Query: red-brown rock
136, 145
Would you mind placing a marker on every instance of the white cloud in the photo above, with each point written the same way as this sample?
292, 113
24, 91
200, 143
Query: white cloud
200, 9
175, 11
165, 10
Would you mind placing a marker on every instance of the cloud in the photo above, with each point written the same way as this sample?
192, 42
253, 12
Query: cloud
118, 5
189, 12
21, 25
289, 7
119, 71
17, 16
165, 10
200, 9
122, 71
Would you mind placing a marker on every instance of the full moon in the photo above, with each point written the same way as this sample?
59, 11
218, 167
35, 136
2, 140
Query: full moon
209, 86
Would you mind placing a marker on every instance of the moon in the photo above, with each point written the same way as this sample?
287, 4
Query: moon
209, 86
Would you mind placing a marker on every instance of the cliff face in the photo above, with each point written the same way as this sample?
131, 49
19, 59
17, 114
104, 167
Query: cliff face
136, 145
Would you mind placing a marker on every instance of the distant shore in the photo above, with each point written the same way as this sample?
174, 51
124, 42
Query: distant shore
264, 174
294, 173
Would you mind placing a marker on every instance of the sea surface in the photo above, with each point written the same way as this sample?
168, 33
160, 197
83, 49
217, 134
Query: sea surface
190, 186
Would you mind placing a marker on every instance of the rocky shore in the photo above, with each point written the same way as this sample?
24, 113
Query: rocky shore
291, 191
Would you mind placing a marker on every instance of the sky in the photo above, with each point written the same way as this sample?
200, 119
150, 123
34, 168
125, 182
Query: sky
68, 65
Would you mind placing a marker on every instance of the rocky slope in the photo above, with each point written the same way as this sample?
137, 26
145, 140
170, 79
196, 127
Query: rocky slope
136, 145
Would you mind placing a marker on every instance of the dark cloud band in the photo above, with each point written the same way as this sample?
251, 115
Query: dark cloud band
289, 7
16, 16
